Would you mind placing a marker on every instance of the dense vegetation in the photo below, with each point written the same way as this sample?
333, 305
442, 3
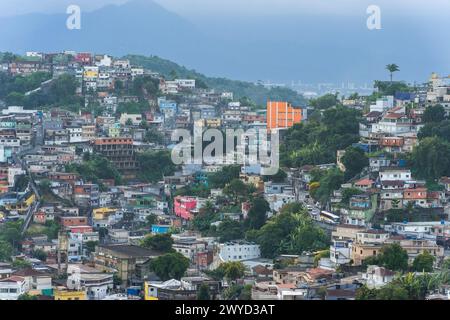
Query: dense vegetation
154, 165
60, 91
290, 232
317, 142
95, 168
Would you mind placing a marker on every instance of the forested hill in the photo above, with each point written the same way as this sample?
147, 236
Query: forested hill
258, 93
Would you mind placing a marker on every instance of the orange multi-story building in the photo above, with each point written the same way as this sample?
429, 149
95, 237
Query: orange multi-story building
282, 115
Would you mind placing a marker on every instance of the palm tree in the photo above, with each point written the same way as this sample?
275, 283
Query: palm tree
392, 68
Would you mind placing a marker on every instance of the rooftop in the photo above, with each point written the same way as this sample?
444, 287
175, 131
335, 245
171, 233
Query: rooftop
130, 250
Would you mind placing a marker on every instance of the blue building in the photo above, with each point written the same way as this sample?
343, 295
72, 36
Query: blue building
167, 107
160, 229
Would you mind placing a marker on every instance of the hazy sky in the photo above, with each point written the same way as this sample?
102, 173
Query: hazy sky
320, 39
194, 8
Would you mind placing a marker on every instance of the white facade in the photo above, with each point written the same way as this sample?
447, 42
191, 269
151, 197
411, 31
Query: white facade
11, 288
239, 251
75, 134
377, 277
105, 61
392, 175
383, 104
340, 252
135, 118
12, 173
186, 83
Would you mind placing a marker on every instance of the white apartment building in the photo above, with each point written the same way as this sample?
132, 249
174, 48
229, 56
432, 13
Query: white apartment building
11, 288
340, 252
239, 251
75, 134
395, 174
186, 83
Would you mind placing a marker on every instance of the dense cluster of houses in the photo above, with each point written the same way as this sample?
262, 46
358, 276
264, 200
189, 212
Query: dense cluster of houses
101, 224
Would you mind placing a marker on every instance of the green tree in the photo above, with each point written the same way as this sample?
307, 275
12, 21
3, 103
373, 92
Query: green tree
434, 114
431, 158
27, 296
230, 230
289, 233
325, 102
203, 292
151, 219
155, 165
11, 232
90, 246
233, 270
392, 293
21, 264
95, 168
446, 264
158, 242
237, 190
52, 229
354, 161
154, 136
6, 251
39, 254
280, 176
257, 215
170, 266
332, 180
221, 178
423, 262
394, 257
118, 86
246, 293
364, 293
392, 68
433, 129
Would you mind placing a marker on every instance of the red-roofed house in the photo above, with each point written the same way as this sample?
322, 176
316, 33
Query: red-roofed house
11, 288
364, 184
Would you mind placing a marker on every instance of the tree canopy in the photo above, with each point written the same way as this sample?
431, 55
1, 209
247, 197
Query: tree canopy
289, 233
158, 242
170, 266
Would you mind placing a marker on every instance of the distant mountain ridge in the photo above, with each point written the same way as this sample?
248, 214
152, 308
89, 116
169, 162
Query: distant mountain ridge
258, 93
313, 49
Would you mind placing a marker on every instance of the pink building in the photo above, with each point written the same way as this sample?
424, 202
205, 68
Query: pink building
84, 58
80, 229
185, 206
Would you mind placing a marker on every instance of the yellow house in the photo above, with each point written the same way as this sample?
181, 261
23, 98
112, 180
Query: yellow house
102, 213
114, 131
30, 200
22, 206
213, 123
150, 293
70, 295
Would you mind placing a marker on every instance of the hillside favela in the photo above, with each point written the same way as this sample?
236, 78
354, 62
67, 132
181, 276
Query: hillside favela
95, 203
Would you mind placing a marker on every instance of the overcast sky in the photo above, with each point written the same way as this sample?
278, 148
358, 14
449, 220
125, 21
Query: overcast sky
192, 8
